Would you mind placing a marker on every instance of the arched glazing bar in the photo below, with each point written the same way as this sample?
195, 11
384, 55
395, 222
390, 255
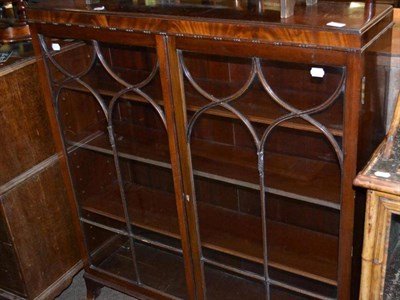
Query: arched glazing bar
71, 77
303, 114
224, 102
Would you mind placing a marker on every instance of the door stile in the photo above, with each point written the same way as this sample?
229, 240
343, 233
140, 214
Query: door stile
171, 81
353, 88
56, 131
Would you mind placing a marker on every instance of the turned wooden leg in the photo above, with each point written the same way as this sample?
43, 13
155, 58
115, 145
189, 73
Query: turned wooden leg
92, 289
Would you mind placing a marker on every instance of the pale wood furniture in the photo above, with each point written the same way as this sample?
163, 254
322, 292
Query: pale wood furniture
381, 234
210, 147
38, 256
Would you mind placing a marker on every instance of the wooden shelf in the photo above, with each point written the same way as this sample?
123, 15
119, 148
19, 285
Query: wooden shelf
149, 209
170, 278
170, 275
308, 180
314, 256
254, 104
222, 285
306, 255
313, 181
149, 146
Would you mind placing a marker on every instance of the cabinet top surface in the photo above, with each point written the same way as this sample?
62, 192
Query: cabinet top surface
346, 17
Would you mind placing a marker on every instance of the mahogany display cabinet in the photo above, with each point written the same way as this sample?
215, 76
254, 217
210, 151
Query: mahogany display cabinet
210, 147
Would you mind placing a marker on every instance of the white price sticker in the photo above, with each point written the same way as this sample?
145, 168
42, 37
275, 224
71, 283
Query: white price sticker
56, 46
382, 174
317, 72
335, 24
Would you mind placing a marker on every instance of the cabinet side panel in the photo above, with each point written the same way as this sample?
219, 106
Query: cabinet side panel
373, 110
40, 223
24, 123
371, 132
10, 274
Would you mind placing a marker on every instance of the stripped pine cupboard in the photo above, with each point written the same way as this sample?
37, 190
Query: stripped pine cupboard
210, 150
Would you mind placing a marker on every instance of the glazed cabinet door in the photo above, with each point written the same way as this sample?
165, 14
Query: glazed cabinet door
264, 135
112, 115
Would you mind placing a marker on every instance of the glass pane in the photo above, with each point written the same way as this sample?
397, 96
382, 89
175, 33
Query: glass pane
109, 251
110, 105
138, 126
250, 152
